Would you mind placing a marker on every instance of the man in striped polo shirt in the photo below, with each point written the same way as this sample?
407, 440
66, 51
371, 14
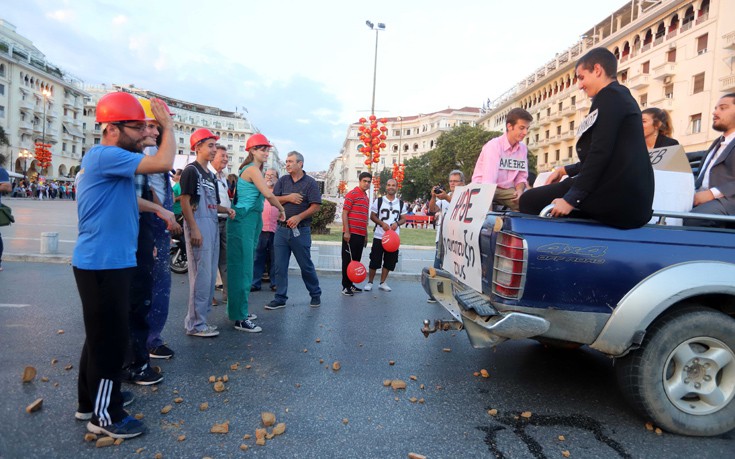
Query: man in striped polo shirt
354, 226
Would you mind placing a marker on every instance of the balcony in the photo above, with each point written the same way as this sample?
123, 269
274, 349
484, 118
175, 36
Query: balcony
665, 103
686, 26
566, 135
672, 34
658, 40
555, 116
665, 70
68, 102
26, 105
555, 139
570, 110
25, 126
38, 128
702, 18
638, 81
727, 84
543, 142
728, 40
583, 105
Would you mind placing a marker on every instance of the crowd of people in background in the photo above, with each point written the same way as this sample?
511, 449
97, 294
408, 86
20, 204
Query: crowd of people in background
24, 188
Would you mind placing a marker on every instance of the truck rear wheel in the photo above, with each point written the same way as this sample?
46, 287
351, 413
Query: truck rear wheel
683, 376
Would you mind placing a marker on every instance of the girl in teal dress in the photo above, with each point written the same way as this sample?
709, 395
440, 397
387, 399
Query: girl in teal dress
244, 229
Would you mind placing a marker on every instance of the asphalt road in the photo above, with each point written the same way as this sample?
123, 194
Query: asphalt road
345, 413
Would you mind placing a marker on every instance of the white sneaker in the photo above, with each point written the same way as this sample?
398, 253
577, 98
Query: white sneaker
368, 287
384, 287
208, 332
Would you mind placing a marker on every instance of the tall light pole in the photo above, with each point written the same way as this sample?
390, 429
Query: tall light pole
377, 28
25, 154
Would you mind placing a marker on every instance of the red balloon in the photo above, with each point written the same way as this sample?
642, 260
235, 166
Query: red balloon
391, 241
356, 272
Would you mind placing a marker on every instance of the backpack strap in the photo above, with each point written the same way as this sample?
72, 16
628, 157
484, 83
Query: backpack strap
380, 204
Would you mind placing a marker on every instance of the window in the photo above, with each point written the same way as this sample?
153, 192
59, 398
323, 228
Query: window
2, 111
557, 155
671, 55
97, 141
696, 122
2, 89
242, 148
546, 158
646, 67
181, 140
63, 145
698, 83
571, 125
669, 91
702, 44
536, 139
561, 106
558, 130
624, 76
547, 134
570, 152
574, 100
73, 148
2, 70
643, 100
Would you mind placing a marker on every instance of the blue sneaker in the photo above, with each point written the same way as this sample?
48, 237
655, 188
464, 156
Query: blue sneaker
129, 427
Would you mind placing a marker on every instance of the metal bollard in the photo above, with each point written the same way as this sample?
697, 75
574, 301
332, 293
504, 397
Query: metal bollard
49, 243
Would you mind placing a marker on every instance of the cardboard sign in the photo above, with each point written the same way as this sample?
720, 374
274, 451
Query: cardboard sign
672, 159
461, 232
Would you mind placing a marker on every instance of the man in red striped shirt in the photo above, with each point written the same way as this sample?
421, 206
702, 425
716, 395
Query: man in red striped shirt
354, 229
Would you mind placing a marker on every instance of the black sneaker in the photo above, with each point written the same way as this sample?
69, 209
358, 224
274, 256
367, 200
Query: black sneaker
347, 291
316, 301
247, 326
161, 352
356, 289
254, 288
275, 304
127, 397
127, 428
146, 376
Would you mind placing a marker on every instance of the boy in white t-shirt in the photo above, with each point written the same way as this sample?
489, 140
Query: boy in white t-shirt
388, 213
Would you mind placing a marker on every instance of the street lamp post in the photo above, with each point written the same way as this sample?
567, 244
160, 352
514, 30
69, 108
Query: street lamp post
25, 154
377, 28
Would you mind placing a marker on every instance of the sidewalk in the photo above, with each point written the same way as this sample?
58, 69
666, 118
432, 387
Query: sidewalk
22, 240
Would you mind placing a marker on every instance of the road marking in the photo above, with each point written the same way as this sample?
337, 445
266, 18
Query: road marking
10, 305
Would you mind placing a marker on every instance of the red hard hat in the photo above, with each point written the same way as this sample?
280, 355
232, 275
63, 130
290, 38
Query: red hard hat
356, 272
390, 241
119, 106
199, 135
257, 140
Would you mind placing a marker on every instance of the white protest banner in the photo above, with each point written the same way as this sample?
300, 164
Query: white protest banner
461, 232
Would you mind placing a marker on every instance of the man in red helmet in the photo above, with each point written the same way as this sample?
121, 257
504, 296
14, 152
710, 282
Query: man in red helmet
104, 255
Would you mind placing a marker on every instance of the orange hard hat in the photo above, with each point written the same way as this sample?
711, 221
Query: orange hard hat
257, 140
356, 272
119, 106
199, 135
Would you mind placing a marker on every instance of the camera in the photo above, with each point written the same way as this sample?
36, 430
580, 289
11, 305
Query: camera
438, 189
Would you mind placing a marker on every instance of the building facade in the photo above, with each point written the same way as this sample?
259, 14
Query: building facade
678, 55
38, 103
232, 127
407, 137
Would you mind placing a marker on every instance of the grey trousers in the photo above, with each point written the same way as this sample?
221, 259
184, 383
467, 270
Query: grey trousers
203, 261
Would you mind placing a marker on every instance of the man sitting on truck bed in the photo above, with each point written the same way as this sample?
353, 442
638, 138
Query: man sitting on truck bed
613, 180
504, 160
715, 184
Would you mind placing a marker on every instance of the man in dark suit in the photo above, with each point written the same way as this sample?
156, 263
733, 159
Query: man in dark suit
613, 180
715, 184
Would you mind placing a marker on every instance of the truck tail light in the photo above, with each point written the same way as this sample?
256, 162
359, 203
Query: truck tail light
509, 265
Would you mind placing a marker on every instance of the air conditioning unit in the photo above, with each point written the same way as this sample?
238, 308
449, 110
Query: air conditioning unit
667, 80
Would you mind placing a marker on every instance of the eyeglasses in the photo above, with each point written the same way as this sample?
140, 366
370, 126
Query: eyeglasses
135, 127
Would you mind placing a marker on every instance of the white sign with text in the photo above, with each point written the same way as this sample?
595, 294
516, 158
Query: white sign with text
461, 232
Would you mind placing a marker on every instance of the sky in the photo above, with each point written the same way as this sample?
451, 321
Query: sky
303, 70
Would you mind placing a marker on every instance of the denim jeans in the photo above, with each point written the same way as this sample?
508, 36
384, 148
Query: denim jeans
285, 244
263, 255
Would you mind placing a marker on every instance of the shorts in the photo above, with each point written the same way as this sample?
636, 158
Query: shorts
378, 255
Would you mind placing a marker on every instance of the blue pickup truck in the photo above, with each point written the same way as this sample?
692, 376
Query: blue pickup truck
660, 300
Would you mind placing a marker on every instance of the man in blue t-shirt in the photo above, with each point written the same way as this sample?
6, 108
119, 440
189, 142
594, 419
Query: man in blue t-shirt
104, 256
5, 187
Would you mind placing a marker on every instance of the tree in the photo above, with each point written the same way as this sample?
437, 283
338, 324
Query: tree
458, 149
384, 175
416, 183
4, 137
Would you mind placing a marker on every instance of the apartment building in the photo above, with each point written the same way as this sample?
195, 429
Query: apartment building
39, 102
678, 55
407, 137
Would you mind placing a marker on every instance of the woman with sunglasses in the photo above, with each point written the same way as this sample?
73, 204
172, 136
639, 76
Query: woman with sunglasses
243, 231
